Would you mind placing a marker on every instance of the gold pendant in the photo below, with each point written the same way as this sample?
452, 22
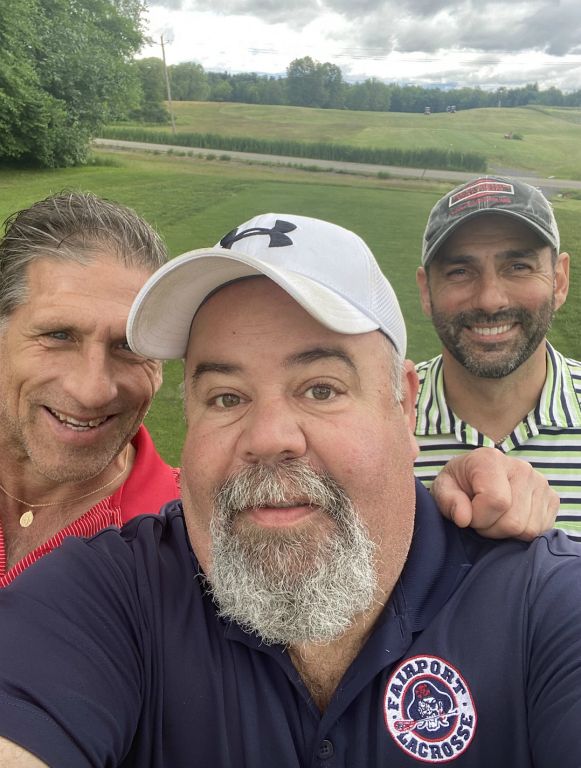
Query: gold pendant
26, 518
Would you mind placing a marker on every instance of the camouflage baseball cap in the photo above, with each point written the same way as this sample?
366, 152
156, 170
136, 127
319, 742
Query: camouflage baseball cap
509, 197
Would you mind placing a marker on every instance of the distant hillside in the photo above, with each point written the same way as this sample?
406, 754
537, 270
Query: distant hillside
544, 140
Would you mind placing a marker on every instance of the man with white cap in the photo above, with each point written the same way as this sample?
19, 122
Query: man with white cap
307, 605
491, 279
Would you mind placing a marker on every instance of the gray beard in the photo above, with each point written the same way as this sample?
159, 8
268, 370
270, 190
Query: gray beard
290, 586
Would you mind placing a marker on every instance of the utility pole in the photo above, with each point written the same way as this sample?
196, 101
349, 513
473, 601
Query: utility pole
173, 122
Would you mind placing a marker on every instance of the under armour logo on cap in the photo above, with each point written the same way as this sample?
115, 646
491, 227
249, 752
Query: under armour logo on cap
277, 234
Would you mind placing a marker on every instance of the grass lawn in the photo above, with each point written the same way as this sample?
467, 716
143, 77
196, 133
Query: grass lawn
193, 202
550, 145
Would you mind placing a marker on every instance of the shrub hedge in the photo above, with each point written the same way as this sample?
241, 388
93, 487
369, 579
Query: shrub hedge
416, 158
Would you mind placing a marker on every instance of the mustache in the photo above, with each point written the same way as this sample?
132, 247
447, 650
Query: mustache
474, 316
295, 480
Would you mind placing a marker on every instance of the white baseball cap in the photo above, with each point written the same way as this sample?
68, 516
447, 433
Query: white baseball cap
327, 269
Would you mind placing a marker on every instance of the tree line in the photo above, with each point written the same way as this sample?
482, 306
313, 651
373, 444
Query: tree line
310, 83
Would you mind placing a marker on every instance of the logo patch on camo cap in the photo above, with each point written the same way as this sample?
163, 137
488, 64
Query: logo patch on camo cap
489, 192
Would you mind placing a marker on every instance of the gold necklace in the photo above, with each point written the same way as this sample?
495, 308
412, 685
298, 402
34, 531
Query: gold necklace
27, 518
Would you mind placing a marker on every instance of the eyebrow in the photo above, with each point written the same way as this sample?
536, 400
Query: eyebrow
468, 258
522, 253
320, 353
211, 367
57, 325
305, 357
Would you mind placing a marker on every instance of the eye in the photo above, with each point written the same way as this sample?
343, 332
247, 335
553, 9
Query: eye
125, 350
227, 400
458, 272
58, 335
320, 392
520, 267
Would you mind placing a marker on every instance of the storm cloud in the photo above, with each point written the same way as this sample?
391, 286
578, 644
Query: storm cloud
443, 42
551, 26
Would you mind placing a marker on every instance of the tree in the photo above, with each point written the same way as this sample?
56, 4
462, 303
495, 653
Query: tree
305, 83
370, 95
30, 121
573, 99
272, 90
65, 72
520, 97
333, 86
220, 88
409, 98
312, 84
551, 97
189, 82
245, 87
153, 91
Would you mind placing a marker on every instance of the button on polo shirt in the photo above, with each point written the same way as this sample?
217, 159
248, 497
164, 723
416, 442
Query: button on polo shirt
326, 750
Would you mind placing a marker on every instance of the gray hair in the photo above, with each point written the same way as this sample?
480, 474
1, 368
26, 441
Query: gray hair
396, 371
73, 226
287, 585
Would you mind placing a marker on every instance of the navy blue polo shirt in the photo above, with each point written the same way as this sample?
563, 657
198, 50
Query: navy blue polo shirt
111, 654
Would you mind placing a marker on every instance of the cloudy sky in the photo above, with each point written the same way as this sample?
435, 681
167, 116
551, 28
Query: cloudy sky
452, 42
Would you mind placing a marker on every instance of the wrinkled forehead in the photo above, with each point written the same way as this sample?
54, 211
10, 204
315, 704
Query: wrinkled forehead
491, 229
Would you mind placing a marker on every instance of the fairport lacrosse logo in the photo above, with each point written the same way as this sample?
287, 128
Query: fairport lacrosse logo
429, 710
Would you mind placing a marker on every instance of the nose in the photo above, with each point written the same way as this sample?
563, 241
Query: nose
491, 296
271, 433
90, 378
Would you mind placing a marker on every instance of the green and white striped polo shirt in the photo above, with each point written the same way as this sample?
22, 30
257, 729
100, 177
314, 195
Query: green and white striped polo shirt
549, 437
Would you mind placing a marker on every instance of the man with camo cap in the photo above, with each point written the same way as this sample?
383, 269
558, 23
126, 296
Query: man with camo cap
491, 279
